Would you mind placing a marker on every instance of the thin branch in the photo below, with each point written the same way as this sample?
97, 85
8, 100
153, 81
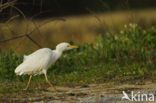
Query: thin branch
36, 15
11, 4
95, 15
22, 35
28, 36
19, 11
7, 4
61, 19
12, 18
37, 28
15, 37
10, 29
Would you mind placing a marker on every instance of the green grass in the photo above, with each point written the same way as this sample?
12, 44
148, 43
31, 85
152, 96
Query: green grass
128, 56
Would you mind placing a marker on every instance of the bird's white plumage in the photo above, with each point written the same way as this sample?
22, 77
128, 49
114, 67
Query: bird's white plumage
39, 61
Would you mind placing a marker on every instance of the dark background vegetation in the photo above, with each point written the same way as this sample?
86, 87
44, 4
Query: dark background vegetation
72, 7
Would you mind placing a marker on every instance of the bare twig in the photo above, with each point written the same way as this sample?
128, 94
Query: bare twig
22, 35
95, 15
37, 28
11, 4
61, 19
7, 4
19, 11
28, 36
36, 15
10, 29
12, 18
15, 37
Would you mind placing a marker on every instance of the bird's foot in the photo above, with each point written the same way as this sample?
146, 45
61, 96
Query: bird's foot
25, 89
53, 87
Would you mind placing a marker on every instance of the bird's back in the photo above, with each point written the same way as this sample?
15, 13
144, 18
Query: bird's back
36, 62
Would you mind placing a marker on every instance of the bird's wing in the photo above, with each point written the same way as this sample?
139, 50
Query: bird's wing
36, 62
25, 57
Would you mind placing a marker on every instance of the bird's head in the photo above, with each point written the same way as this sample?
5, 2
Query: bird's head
65, 46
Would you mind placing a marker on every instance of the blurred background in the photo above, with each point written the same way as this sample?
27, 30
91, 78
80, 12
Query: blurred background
80, 21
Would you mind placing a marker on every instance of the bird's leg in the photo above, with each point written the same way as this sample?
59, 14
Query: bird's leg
28, 82
49, 82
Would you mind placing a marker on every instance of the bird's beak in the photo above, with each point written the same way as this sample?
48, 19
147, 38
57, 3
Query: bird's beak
72, 46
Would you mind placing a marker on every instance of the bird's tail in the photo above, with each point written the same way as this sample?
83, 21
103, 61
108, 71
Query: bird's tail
18, 70
25, 57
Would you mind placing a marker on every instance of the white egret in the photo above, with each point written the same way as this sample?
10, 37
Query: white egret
39, 61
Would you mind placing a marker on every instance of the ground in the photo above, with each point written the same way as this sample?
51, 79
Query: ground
92, 93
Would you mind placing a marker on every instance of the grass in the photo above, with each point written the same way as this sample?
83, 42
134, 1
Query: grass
80, 29
128, 56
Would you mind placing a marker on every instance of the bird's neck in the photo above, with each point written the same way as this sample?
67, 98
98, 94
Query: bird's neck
58, 53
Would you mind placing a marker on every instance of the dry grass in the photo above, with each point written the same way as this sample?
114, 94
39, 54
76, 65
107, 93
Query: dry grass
80, 29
